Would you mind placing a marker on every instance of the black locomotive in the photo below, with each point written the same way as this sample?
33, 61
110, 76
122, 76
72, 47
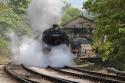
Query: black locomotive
55, 36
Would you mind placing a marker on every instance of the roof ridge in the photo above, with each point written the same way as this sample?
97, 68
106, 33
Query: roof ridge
76, 18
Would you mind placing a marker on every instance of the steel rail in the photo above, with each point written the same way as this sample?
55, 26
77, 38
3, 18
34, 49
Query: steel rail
87, 76
116, 77
54, 79
17, 77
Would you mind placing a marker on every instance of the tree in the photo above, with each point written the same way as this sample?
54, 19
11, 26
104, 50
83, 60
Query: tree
11, 18
70, 13
19, 6
109, 34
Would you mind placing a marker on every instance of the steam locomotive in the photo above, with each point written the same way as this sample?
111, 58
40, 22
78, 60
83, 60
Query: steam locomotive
54, 36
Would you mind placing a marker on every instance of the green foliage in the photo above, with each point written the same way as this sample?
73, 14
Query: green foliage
12, 16
19, 6
3, 44
109, 34
105, 50
15, 21
3, 48
70, 13
8, 16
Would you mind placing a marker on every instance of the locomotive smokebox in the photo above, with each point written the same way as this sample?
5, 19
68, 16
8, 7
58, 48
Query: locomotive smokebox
55, 36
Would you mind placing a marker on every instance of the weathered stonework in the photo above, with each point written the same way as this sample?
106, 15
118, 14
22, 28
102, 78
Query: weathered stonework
79, 27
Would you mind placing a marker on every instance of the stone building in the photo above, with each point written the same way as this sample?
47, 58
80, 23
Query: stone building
80, 29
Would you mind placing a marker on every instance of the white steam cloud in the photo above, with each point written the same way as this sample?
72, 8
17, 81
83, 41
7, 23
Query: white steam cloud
44, 13
26, 50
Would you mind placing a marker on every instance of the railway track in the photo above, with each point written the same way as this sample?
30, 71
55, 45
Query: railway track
20, 78
115, 77
94, 77
26, 75
59, 75
115, 71
54, 79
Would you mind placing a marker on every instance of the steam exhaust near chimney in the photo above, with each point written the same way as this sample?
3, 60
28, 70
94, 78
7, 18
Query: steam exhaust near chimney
42, 14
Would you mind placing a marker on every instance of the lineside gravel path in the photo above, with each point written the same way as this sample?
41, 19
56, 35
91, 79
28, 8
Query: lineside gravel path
4, 78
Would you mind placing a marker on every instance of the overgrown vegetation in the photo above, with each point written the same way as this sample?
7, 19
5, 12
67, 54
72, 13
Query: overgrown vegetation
109, 34
70, 13
12, 17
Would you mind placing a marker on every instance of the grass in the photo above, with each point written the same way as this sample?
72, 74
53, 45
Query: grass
2, 60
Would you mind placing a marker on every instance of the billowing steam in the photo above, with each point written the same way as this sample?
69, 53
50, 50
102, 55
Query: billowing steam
26, 50
44, 13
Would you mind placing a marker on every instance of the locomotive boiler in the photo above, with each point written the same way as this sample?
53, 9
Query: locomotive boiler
54, 36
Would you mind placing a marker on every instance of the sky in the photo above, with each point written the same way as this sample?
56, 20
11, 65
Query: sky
77, 3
